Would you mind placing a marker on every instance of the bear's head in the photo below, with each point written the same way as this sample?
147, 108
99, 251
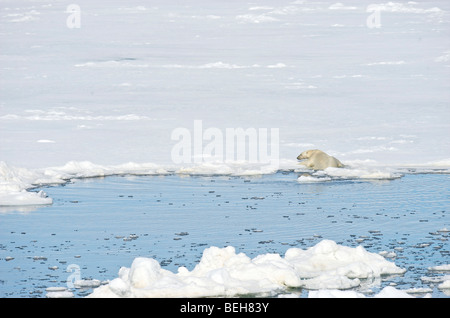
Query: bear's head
306, 154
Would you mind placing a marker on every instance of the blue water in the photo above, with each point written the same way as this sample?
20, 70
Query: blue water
101, 224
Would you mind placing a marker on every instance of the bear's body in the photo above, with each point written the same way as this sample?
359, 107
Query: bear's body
318, 160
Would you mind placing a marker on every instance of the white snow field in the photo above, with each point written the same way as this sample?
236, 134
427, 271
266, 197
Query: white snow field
112, 86
97, 88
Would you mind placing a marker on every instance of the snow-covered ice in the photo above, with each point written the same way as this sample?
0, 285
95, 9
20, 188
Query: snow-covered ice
89, 94
363, 94
112, 90
222, 272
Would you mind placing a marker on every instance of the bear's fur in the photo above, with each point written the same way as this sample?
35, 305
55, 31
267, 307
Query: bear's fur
318, 160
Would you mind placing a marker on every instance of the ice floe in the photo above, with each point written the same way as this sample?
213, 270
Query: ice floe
358, 173
58, 292
223, 272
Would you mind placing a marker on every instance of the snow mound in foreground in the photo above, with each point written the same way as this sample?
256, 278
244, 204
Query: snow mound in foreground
222, 272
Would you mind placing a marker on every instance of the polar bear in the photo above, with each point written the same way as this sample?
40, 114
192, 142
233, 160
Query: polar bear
318, 160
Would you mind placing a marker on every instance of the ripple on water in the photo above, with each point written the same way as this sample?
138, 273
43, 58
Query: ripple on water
173, 220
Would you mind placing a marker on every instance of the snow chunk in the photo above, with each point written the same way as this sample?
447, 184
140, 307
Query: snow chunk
223, 272
329, 264
58, 292
23, 198
87, 283
445, 284
310, 179
440, 268
364, 173
361, 173
13, 185
391, 292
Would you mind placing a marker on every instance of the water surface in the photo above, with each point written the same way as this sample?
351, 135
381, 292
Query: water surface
101, 224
